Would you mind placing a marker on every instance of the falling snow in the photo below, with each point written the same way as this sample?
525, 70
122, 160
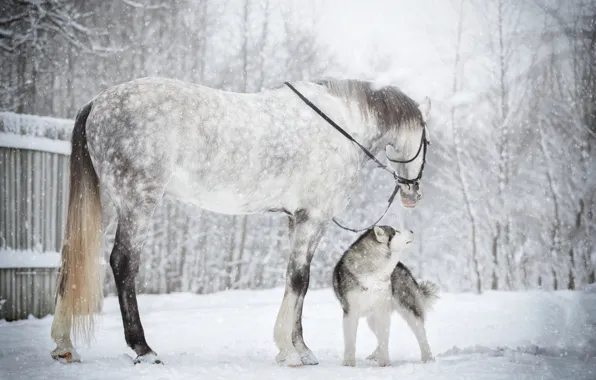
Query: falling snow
508, 207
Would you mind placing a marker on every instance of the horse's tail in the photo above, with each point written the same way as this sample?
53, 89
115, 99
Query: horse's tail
80, 289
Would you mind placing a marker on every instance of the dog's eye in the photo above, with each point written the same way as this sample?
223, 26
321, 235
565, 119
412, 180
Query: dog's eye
408, 242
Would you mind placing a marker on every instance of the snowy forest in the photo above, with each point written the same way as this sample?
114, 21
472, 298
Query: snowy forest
510, 186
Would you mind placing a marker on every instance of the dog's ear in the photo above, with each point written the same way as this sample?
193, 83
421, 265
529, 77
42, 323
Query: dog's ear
380, 235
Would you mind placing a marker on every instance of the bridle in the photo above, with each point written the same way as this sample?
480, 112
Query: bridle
399, 181
423, 145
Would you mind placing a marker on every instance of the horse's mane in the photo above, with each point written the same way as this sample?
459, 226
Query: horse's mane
388, 105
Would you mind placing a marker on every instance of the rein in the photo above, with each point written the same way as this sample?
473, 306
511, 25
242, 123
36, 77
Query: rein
398, 180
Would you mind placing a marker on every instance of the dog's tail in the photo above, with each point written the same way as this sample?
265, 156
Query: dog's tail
430, 293
411, 296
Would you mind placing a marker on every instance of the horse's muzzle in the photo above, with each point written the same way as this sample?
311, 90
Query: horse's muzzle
408, 203
409, 199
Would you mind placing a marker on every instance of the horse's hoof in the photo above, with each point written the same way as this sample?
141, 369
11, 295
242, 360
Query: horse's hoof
349, 363
150, 358
290, 358
66, 356
428, 359
308, 358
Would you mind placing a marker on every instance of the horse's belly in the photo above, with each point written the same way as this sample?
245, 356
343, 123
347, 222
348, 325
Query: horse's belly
221, 196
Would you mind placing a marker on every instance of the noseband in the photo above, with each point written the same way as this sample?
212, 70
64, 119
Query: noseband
399, 181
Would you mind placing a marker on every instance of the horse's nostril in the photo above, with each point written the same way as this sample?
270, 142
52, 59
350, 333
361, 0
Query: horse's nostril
412, 232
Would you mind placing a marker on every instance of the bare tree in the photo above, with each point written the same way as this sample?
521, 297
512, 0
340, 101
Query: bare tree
28, 28
457, 143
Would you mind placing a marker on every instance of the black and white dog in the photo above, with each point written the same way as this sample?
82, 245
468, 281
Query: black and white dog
369, 281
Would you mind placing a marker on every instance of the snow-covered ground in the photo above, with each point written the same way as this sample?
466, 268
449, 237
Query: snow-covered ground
11, 258
533, 335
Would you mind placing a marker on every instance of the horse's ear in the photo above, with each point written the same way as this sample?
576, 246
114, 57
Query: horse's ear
424, 108
380, 234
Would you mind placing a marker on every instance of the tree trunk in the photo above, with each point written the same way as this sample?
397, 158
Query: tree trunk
22, 80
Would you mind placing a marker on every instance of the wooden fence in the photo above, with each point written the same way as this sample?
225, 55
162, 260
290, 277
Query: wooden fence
33, 196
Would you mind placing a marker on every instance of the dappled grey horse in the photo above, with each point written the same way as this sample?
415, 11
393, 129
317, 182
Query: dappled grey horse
230, 153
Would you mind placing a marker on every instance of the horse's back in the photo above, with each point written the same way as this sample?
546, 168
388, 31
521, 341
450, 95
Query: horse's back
227, 152
187, 140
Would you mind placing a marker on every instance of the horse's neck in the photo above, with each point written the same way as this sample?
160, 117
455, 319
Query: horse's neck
366, 131
348, 115
363, 128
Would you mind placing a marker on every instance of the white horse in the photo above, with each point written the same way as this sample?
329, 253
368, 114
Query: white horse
229, 153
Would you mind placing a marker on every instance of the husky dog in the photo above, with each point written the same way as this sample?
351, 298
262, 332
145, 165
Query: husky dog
369, 281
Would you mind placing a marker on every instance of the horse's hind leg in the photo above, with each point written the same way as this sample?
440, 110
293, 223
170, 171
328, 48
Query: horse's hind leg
125, 261
64, 351
306, 234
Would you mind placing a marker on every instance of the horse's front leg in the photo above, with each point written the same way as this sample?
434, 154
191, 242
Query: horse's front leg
306, 234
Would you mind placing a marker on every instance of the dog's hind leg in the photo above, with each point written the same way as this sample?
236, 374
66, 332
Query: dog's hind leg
380, 323
416, 323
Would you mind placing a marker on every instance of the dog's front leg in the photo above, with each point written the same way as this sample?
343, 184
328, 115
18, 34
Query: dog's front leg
350, 325
380, 322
